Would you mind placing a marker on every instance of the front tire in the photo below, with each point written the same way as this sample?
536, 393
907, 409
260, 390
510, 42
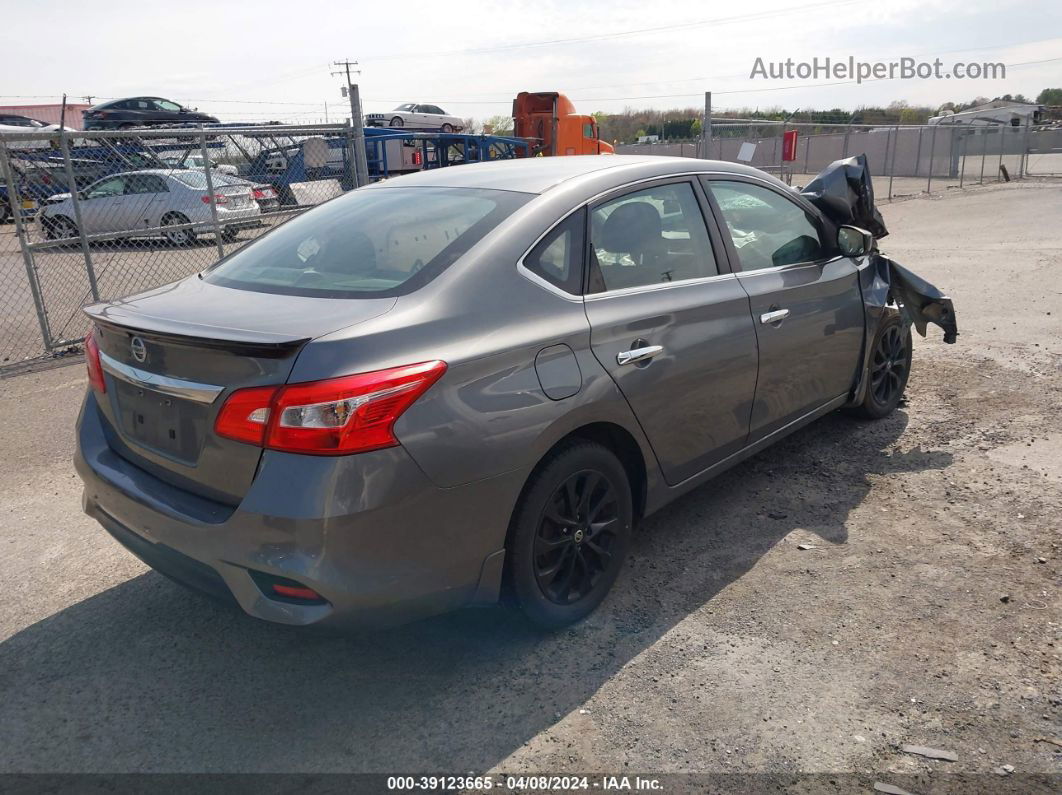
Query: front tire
888, 369
569, 534
397, 122
59, 228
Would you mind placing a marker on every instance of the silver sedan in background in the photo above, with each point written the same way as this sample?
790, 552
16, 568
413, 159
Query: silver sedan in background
173, 202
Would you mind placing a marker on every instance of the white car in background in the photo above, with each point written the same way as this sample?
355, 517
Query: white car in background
135, 200
417, 117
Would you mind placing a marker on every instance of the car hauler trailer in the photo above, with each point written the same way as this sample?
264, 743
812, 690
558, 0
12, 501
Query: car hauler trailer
389, 153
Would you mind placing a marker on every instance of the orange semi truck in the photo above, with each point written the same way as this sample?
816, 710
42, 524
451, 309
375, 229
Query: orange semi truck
549, 119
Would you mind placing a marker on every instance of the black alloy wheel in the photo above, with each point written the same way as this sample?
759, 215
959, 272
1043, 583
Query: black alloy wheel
888, 367
569, 534
576, 536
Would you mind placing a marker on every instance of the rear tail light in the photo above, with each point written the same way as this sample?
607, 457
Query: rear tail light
339, 416
92, 361
265, 193
219, 198
416, 158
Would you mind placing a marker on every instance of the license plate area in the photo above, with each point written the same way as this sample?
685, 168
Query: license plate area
163, 423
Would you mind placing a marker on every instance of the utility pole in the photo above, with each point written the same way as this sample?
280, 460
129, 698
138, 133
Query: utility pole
361, 171
706, 129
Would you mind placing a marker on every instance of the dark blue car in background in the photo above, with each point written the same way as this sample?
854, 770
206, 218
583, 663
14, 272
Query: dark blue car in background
122, 114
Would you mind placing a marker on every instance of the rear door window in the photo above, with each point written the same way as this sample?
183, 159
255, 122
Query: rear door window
558, 258
144, 183
368, 243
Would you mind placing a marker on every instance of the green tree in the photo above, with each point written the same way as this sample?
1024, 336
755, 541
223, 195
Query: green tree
498, 125
1050, 96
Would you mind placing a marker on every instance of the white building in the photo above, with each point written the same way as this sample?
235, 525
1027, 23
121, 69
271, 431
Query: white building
997, 112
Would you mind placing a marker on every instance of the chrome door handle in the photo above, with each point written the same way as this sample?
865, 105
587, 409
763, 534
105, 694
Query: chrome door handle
638, 354
774, 316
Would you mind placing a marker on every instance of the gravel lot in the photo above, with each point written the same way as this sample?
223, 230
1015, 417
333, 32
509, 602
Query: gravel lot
927, 611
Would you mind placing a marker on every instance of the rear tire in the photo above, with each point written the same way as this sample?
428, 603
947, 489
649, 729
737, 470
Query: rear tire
229, 234
888, 369
178, 237
446, 128
569, 534
59, 228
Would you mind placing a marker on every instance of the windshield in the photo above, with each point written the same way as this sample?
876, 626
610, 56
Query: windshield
406, 106
371, 243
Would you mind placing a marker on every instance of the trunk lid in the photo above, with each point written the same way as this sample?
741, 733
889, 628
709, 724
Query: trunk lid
172, 356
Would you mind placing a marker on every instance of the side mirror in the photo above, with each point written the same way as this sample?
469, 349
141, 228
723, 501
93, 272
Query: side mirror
854, 242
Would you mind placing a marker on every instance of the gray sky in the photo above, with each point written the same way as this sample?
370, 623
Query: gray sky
269, 59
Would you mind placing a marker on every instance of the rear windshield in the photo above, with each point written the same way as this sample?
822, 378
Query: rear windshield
368, 243
197, 179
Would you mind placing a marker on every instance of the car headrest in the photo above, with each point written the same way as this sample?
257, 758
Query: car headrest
358, 255
631, 227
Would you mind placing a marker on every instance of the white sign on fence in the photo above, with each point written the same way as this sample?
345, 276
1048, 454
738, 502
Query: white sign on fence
747, 152
316, 192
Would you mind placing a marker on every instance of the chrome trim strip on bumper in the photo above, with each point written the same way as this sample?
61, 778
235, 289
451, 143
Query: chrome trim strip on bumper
175, 387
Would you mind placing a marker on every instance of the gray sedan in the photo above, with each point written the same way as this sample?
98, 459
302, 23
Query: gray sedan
471, 383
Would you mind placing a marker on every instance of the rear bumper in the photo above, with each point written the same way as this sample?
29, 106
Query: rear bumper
370, 533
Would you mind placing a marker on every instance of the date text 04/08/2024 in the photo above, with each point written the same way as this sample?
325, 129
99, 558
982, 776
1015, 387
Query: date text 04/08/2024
523, 783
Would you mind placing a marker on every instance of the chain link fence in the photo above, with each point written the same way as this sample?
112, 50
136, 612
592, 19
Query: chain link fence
99, 215
905, 159
95, 216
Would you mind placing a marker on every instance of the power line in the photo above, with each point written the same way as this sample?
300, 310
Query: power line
614, 35
985, 48
701, 93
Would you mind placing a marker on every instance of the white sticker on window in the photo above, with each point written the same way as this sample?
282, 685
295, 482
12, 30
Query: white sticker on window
307, 248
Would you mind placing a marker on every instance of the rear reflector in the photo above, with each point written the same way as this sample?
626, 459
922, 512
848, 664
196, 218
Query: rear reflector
338, 416
92, 362
297, 592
